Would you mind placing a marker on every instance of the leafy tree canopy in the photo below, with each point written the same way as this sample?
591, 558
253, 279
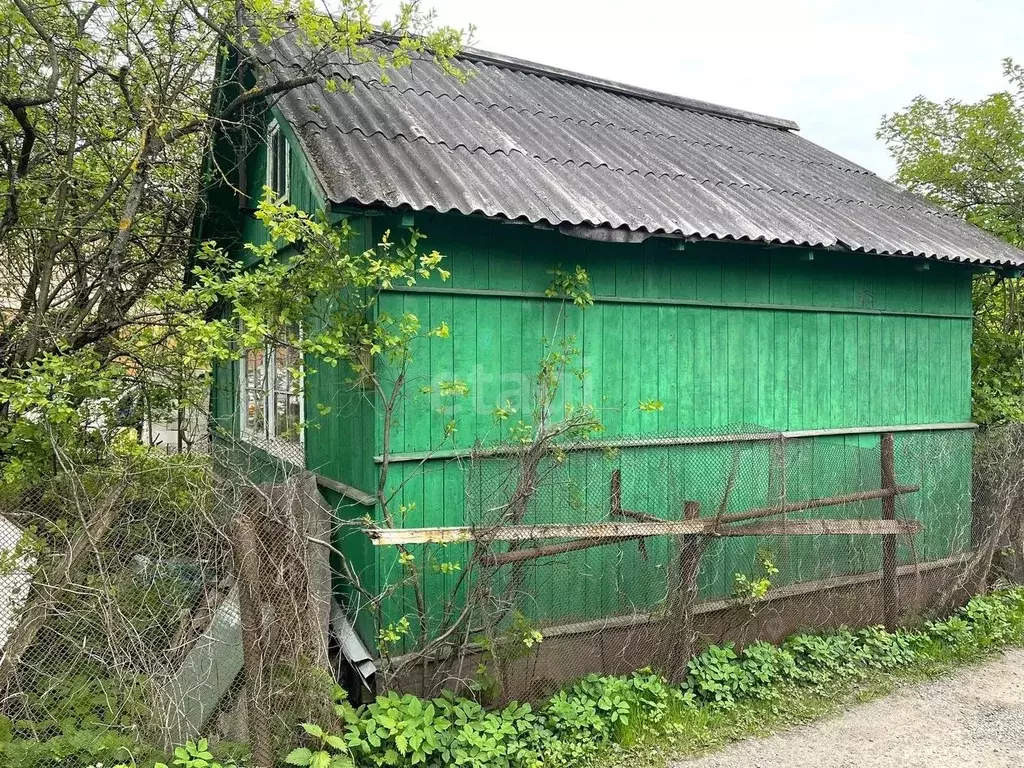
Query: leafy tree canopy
969, 158
105, 117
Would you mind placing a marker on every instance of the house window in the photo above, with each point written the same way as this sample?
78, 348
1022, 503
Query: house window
278, 160
272, 397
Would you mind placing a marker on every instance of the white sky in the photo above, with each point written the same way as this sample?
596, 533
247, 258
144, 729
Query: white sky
833, 66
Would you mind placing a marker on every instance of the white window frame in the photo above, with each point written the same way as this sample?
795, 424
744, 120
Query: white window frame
279, 447
273, 132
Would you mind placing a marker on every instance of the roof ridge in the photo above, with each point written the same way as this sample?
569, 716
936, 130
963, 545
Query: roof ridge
624, 89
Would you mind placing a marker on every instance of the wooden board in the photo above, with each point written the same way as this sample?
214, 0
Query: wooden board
383, 537
826, 528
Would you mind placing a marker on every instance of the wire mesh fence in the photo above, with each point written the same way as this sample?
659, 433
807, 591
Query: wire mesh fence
159, 597
678, 541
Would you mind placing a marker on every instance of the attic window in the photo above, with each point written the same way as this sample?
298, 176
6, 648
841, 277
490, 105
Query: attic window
278, 160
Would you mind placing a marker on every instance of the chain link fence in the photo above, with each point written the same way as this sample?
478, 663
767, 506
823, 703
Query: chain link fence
735, 535
158, 597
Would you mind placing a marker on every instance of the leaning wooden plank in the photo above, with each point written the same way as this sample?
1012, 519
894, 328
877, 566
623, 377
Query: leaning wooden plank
829, 501
519, 555
384, 536
825, 528
353, 494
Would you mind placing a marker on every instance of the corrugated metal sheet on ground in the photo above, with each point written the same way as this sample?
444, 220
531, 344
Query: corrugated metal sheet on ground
514, 142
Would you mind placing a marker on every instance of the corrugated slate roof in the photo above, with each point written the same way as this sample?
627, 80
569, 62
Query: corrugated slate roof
522, 141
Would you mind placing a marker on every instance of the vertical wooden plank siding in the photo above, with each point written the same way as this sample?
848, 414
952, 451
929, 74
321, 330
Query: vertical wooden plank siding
739, 367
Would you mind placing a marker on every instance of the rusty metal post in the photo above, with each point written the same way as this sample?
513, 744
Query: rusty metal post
890, 593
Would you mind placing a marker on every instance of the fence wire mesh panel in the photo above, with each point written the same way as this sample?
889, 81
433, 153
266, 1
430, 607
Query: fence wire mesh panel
162, 596
681, 540
224, 594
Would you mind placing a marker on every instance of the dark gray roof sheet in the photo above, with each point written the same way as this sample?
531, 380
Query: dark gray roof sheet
521, 141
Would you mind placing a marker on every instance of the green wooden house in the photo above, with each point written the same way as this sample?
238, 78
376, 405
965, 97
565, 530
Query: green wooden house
746, 282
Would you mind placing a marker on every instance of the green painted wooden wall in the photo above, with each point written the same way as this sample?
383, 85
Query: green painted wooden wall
338, 440
731, 338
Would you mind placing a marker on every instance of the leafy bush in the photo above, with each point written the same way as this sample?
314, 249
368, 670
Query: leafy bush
716, 676
598, 712
768, 665
406, 730
819, 658
876, 648
85, 719
78, 746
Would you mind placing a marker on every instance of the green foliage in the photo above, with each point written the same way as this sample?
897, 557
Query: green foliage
393, 633
309, 275
574, 286
329, 751
555, 415
79, 746
767, 665
87, 718
599, 713
724, 690
650, 406
116, 96
755, 587
878, 649
600, 710
406, 730
967, 157
196, 754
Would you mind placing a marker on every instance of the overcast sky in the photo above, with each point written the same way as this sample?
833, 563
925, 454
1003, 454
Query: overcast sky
833, 66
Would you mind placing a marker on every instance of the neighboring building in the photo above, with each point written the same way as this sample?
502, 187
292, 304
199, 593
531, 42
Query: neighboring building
745, 278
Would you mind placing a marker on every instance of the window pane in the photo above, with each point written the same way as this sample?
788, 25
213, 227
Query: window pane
255, 388
255, 416
255, 369
278, 161
286, 413
287, 362
282, 164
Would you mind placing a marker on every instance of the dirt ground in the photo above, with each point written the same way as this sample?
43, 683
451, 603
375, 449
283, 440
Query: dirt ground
973, 718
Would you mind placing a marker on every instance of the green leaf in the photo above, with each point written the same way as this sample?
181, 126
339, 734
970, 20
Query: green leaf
300, 756
335, 741
313, 730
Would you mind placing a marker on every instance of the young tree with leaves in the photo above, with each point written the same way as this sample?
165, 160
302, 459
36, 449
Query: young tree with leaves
105, 118
969, 158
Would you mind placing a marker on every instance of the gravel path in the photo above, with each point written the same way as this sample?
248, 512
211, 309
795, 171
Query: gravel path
973, 718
